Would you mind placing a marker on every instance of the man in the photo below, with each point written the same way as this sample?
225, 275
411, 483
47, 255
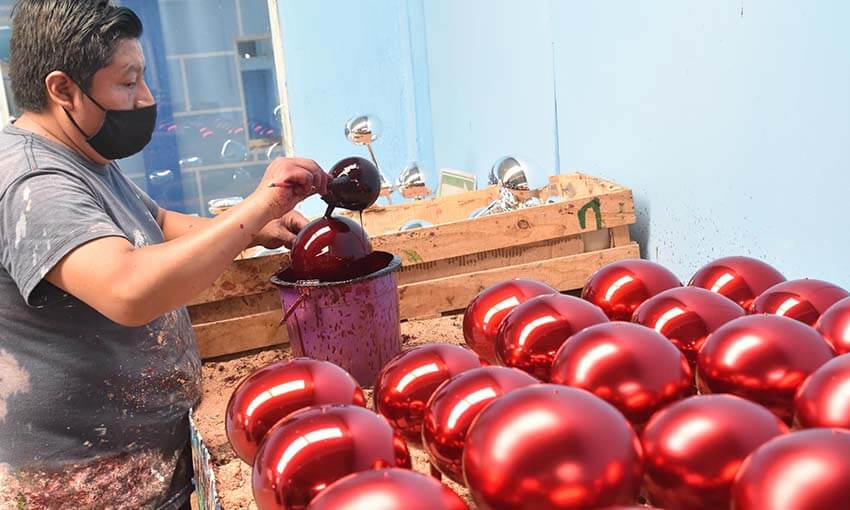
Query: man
98, 365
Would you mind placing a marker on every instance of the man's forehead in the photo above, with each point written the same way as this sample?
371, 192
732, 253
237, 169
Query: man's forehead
128, 57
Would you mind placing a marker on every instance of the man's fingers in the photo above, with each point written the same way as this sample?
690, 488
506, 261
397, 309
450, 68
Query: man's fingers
286, 237
295, 221
320, 177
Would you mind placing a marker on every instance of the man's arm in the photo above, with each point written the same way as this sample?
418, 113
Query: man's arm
175, 224
135, 286
278, 232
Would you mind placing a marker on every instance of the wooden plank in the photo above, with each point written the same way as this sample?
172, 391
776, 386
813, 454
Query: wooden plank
243, 277
579, 184
381, 219
269, 300
491, 259
620, 236
597, 240
241, 334
524, 226
239, 306
519, 227
423, 299
416, 300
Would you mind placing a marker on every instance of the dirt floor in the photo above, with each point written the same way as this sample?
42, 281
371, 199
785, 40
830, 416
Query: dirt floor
221, 376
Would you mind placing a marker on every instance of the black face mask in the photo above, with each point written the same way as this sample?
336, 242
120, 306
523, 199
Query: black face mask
123, 133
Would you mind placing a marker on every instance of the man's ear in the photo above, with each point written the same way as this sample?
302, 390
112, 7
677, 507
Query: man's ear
61, 89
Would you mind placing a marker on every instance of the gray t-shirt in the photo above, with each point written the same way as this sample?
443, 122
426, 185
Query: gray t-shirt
92, 414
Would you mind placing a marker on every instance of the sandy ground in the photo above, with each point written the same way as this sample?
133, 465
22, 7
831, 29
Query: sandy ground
220, 377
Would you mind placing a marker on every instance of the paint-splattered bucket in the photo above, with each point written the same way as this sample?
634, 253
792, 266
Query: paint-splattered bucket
353, 323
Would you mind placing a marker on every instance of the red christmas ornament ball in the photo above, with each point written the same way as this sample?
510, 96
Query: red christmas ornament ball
803, 300
387, 489
686, 316
532, 333
312, 448
486, 311
740, 279
551, 447
806, 470
631, 367
278, 389
834, 325
620, 287
823, 400
764, 358
455, 404
331, 249
693, 449
406, 383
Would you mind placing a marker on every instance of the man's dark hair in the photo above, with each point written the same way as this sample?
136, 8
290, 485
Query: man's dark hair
78, 37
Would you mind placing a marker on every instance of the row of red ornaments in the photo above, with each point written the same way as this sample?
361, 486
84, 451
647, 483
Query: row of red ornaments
411, 386
516, 443
527, 336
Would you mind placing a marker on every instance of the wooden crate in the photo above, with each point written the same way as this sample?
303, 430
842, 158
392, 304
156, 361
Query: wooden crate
444, 266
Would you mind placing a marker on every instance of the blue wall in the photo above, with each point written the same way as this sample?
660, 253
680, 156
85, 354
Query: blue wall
733, 128
348, 58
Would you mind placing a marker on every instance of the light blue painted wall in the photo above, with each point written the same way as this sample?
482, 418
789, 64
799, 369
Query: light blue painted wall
345, 58
733, 131
491, 82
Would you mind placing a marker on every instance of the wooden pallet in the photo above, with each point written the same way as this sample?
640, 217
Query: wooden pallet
444, 266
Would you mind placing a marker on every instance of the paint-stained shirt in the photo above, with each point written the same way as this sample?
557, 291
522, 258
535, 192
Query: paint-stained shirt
92, 414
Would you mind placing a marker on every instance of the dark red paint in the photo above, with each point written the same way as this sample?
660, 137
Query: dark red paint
331, 250
355, 184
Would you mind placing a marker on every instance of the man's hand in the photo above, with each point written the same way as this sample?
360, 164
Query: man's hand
288, 181
281, 232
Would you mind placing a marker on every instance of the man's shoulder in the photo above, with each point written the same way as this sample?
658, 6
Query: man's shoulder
21, 153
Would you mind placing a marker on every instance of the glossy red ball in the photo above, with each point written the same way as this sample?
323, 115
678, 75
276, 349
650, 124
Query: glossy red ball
551, 447
693, 449
686, 316
331, 249
455, 404
740, 279
355, 184
312, 448
764, 358
631, 367
620, 287
834, 325
823, 399
806, 470
636, 507
278, 389
803, 300
387, 489
532, 333
485, 313
407, 382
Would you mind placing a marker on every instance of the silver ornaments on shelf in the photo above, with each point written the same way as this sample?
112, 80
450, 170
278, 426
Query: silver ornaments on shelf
511, 174
410, 176
364, 130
